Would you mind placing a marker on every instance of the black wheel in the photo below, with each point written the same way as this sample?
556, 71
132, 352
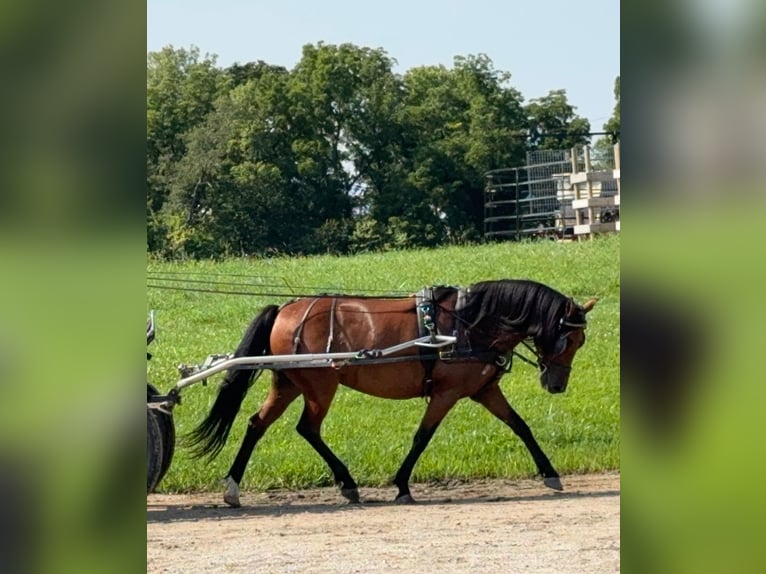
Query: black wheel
167, 431
154, 450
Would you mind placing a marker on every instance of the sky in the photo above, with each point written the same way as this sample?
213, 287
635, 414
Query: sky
545, 44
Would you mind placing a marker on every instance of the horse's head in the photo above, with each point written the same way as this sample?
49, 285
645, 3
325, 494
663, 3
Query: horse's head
556, 353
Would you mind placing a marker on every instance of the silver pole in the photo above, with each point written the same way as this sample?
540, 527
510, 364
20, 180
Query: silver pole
322, 359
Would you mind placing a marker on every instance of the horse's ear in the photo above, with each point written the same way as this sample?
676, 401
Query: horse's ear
571, 307
589, 304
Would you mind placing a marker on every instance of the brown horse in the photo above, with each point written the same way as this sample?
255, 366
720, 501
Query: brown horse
488, 320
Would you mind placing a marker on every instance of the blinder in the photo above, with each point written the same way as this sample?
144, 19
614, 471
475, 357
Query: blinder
561, 342
561, 345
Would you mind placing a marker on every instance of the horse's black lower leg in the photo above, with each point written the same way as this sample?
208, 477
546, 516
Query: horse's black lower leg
402, 478
493, 400
544, 466
437, 409
252, 436
309, 430
281, 394
255, 430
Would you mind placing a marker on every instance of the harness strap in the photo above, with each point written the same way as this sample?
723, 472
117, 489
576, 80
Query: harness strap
428, 365
299, 329
539, 364
488, 357
459, 328
462, 296
426, 317
426, 313
332, 324
526, 360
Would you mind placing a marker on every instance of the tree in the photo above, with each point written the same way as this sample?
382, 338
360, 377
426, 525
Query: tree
613, 125
240, 74
603, 157
343, 103
236, 189
459, 123
553, 123
181, 89
338, 154
193, 183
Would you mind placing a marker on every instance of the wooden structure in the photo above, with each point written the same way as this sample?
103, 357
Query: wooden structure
558, 193
594, 195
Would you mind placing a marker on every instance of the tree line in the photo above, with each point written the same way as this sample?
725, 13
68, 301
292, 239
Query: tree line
338, 155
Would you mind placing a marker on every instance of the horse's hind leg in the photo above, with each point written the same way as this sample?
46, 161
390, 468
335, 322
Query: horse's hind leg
318, 401
282, 393
492, 398
437, 409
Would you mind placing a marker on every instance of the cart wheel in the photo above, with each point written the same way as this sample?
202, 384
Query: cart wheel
167, 431
154, 450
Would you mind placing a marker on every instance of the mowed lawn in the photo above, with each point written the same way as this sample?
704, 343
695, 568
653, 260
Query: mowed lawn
578, 430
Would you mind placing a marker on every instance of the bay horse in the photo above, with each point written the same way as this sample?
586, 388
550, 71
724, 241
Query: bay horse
488, 319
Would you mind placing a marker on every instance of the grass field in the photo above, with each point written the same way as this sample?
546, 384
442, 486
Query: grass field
579, 430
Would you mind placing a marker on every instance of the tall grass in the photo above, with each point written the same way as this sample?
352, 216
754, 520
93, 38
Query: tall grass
579, 430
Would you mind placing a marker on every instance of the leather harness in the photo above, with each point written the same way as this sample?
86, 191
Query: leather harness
427, 311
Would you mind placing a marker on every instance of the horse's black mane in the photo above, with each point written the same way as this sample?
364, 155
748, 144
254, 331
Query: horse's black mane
515, 305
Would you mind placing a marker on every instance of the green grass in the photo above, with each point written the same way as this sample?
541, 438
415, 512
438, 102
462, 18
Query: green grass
579, 430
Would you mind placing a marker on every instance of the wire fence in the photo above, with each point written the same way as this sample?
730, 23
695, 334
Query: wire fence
536, 199
255, 285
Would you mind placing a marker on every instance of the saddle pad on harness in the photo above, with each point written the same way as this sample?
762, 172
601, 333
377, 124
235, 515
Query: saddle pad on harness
427, 310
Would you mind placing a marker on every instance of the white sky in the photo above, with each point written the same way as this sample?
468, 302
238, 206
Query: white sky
544, 44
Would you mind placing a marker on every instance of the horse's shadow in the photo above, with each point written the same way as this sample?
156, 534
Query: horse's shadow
162, 513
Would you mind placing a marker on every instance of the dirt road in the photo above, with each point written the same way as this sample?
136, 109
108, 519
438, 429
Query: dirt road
482, 527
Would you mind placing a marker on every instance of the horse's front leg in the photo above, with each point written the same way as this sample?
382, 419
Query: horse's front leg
492, 398
437, 409
318, 399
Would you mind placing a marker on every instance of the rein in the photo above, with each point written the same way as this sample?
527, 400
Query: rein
525, 359
539, 363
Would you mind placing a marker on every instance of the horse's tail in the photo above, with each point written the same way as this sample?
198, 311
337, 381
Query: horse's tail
208, 438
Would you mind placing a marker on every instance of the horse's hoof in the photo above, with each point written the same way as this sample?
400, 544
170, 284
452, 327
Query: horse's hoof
231, 496
553, 482
350, 494
404, 499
